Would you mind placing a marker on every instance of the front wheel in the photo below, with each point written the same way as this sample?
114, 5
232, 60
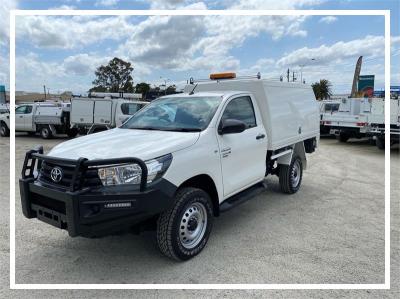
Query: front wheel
184, 229
290, 176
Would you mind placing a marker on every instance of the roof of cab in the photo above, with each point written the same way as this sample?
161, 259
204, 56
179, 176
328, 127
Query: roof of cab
206, 94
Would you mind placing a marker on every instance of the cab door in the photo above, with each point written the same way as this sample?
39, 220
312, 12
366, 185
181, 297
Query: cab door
243, 155
28, 119
20, 115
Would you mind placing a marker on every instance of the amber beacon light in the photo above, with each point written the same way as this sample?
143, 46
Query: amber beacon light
218, 76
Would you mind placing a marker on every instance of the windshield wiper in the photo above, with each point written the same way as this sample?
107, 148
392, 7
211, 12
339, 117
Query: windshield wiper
144, 128
183, 129
167, 129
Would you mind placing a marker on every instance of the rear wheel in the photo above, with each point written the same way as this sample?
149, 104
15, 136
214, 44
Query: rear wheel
183, 230
72, 133
4, 130
290, 176
380, 142
343, 137
45, 132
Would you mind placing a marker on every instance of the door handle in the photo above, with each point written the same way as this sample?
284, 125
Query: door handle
260, 136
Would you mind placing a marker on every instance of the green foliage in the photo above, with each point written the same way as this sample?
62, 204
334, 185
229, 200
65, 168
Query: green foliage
142, 88
322, 89
114, 77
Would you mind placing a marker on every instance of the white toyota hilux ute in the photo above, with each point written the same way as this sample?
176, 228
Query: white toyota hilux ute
177, 163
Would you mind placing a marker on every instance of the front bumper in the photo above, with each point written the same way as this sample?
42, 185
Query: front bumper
92, 212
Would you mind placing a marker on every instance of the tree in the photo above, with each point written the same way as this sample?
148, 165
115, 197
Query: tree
322, 89
114, 77
171, 89
142, 88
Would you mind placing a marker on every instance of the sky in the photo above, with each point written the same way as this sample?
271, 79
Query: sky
62, 52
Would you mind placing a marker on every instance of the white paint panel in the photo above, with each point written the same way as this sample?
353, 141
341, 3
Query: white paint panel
82, 111
102, 112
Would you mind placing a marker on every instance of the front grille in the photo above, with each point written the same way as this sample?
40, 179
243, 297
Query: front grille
86, 178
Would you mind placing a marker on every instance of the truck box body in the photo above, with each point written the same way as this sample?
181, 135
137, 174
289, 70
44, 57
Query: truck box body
51, 115
82, 111
102, 111
289, 111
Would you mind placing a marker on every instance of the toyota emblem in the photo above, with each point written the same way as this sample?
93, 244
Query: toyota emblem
56, 174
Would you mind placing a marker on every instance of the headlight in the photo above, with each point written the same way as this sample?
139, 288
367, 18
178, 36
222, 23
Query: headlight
132, 173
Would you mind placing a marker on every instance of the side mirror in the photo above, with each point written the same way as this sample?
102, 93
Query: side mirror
231, 126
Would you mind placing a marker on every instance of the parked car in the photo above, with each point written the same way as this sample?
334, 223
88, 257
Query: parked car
177, 163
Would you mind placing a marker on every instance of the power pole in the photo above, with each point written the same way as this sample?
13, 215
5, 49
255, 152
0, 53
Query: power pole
288, 75
301, 72
44, 88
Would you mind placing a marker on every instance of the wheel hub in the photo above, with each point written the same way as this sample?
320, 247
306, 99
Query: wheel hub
193, 225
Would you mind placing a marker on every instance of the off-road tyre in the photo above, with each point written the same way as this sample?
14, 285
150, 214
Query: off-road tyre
169, 224
4, 130
72, 133
380, 143
343, 137
290, 176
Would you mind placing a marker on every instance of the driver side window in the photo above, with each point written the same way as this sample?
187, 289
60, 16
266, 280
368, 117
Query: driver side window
241, 108
21, 110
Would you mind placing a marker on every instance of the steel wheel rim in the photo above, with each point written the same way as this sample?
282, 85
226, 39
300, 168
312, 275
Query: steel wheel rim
193, 225
296, 173
45, 132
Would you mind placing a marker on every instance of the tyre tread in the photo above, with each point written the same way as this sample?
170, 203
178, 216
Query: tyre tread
165, 223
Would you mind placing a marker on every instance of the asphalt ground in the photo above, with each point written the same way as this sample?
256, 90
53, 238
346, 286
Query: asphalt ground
331, 231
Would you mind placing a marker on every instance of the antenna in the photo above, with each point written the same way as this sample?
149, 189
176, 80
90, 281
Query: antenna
192, 92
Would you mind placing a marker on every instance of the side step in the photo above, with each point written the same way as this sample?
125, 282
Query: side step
242, 197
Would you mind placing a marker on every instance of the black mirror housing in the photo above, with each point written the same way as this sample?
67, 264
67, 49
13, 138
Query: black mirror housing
231, 126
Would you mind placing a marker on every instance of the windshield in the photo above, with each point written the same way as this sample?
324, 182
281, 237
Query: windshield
175, 114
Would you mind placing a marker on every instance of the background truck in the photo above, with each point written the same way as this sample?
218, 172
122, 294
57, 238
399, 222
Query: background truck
376, 122
351, 119
327, 107
93, 114
45, 118
177, 163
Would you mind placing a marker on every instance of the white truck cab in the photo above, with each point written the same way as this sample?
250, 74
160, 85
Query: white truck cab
178, 162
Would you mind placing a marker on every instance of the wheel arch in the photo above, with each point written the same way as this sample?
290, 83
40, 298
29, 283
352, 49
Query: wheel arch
206, 183
4, 123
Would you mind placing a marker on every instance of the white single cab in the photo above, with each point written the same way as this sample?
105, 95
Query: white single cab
178, 162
